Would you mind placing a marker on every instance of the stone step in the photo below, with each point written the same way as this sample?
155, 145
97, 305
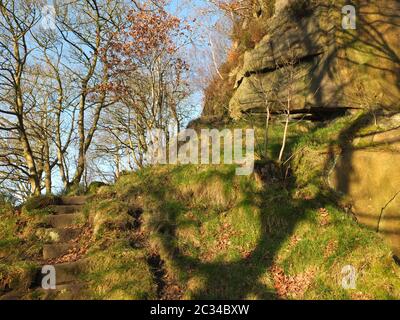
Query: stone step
77, 200
68, 272
12, 295
63, 220
52, 251
63, 234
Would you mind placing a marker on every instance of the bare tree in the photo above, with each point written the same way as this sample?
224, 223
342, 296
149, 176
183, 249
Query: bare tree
277, 97
288, 71
56, 91
16, 22
84, 27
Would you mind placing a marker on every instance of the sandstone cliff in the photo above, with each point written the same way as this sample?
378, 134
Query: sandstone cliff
334, 68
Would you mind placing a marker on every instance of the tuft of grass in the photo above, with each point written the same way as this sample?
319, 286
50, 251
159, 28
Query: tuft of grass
119, 273
19, 249
18, 276
94, 187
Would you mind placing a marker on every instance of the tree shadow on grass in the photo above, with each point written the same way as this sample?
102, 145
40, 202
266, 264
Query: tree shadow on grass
279, 208
279, 213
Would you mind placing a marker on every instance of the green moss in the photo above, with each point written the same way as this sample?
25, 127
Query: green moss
18, 250
94, 187
19, 275
119, 273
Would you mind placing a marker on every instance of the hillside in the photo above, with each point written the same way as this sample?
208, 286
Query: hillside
317, 219
292, 61
193, 232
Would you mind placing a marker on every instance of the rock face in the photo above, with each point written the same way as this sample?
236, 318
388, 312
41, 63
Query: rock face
370, 179
331, 67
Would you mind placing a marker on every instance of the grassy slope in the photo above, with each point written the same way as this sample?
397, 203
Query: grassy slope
19, 247
230, 237
225, 236
117, 264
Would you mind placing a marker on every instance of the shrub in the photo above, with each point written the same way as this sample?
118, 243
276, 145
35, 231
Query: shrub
247, 35
95, 186
233, 57
217, 96
219, 92
74, 190
268, 8
257, 30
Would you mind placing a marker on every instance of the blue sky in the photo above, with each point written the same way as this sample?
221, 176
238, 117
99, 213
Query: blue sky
188, 10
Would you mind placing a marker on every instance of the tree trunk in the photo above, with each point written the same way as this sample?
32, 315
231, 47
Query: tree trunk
34, 180
285, 132
267, 133
81, 132
117, 166
47, 168
60, 152
86, 140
